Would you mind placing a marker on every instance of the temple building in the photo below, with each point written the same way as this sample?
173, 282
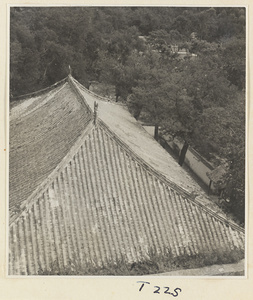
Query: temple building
87, 182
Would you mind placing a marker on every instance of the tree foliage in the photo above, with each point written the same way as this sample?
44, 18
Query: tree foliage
199, 98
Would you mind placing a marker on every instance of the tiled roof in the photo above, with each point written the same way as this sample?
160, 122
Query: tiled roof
104, 201
42, 130
119, 120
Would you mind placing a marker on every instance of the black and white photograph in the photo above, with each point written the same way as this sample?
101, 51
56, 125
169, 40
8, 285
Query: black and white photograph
127, 134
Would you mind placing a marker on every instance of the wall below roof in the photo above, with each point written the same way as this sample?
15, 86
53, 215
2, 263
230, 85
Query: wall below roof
198, 165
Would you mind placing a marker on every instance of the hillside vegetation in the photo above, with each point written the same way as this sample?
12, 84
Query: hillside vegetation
200, 98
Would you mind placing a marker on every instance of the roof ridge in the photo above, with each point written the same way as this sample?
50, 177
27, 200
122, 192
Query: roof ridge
105, 99
83, 101
142, 161
92, 93
167, 181
17, 114
39, 92
26, 205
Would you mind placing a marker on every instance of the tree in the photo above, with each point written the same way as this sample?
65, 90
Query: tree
200, 99
121, 69
234, 61
155, 95
162, 40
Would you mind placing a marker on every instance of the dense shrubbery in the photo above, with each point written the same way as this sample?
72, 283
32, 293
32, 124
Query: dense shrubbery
154, 264
201, 99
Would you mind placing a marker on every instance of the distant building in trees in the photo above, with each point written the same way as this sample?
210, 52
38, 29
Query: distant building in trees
182, 52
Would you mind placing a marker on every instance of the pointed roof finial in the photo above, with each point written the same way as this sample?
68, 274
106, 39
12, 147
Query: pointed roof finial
95, 112
70, 70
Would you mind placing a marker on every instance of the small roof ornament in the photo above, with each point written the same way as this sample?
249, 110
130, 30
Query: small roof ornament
70, 70
95, 112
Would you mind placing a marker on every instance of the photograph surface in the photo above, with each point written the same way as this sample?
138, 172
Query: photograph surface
127, 141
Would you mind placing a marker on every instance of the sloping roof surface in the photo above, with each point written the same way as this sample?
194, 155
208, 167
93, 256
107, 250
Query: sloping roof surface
108, 196
102, 205
42, 130
119, 120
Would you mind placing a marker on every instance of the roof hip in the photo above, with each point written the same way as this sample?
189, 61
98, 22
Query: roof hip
78, 93
164, 179
25, 206
150, 168
42, 91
